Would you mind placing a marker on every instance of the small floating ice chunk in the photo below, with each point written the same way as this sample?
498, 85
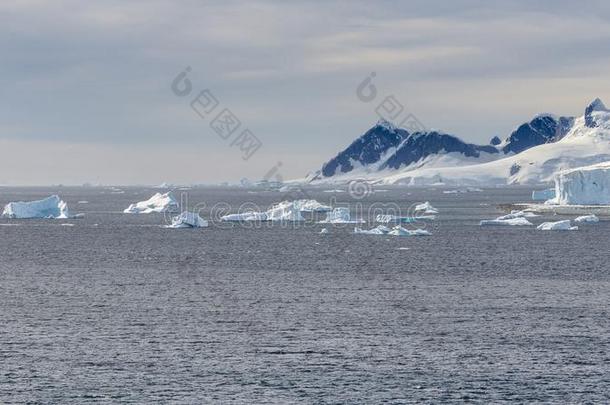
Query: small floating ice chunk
395, 231
587, 219
323, 231
518, 214
50, 207
188, 220
426, 207
557, 226
519, 221
157, 203
379, 230
245, 216
387, 218
340, 215
400, 231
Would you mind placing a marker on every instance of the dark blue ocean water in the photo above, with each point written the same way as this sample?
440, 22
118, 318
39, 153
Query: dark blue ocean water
116, 309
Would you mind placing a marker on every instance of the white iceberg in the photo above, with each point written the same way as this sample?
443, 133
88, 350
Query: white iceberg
519, 221
379, 230
557, 226
245, 216
157, 203
518, 214
283, 211
188, 220
543, 195
323, 231
50, 207
588, 185
587, 219
426, 207
340, 215
395, 231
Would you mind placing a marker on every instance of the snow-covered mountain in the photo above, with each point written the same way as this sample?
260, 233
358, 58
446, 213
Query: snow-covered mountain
367, 150
544, 128
532, 153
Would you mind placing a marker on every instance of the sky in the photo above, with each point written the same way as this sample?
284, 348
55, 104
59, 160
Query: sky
91, 91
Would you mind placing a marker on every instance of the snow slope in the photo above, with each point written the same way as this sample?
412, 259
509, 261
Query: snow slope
571, 143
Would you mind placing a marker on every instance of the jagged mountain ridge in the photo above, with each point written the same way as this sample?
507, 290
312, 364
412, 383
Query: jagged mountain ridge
558, 144
385, 146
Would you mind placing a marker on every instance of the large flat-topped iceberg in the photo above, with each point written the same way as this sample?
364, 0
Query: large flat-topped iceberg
50, 207
157, 203
589, 185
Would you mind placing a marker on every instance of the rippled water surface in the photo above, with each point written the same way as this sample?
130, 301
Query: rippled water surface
116, 308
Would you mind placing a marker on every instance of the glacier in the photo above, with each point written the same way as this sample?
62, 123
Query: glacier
50, 207
157, 203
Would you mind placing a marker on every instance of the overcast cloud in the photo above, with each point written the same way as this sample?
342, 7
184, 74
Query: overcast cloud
87, 97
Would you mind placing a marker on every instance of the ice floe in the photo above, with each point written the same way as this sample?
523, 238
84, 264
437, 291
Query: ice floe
50, 207
188, 220
340, 215
157, 203
557, 226
323, 230
587, 219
